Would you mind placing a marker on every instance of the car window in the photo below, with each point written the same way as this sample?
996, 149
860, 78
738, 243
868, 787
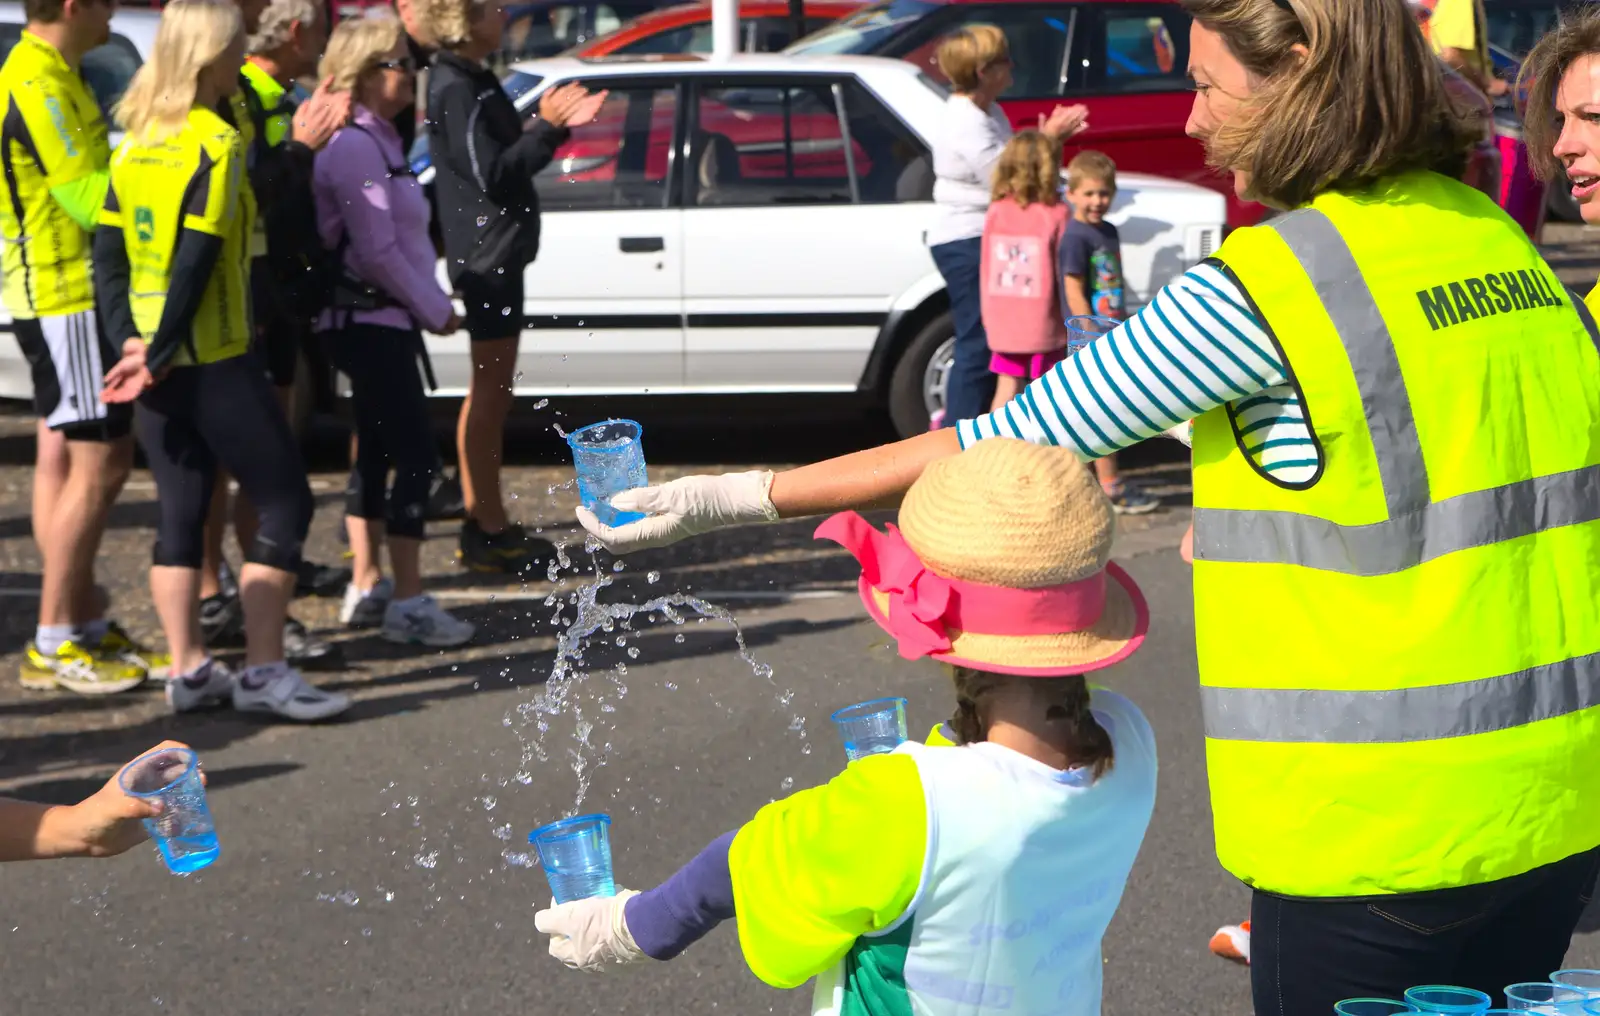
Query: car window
866, 30
621, 160
1515, 25
891, 163
1138, 49
107, 69
687, 39
1037, 37
773, 34
767, 144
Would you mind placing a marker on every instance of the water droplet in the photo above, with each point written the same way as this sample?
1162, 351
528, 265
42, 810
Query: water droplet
367, 183
678, 638
541, 403
617, 566
633, 652
788, 783
669, 686
505, 311
652, 577
483, 220
428, 860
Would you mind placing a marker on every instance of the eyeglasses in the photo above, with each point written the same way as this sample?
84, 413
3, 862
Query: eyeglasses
408, 65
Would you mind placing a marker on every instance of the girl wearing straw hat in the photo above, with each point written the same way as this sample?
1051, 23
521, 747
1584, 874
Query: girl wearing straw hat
937, 880
1396, 480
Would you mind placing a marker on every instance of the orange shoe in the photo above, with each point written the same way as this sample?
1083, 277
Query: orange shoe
1232, 942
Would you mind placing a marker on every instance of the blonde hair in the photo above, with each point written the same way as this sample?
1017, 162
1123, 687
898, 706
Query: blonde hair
1367, 99
1028, 171
356, 46
1578, 35
190, 38
449, 22
967, 52
1091, 165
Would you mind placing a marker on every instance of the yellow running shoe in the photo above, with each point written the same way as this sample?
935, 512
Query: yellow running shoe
80, 670
119, 644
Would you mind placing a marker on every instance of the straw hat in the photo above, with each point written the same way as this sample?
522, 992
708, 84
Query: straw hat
1001, 562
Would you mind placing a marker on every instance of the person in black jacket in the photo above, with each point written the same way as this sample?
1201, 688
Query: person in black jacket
489, 214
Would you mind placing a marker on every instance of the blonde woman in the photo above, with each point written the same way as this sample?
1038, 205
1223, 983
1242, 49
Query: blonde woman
171, 280
371, 209
1397, 491
489, 215
977, 61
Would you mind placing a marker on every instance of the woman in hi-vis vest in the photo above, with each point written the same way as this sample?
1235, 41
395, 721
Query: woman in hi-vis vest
1397, 516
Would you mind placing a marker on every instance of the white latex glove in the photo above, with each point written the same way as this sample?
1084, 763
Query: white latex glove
685, 507
590, 934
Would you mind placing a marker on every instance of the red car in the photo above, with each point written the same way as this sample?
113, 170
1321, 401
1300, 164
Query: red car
1127, 60
764, 27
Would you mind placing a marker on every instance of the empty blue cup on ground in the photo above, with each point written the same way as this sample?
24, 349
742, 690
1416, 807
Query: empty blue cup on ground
1371, 1007
576, 856
1085, 328
184, 832
1587, 981
871, 728
1546, 997
609, 459
1448, 1000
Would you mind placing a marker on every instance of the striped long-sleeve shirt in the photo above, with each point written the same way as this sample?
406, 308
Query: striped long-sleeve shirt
1196, 346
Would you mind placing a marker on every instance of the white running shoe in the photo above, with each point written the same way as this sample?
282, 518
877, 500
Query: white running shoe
285, 693
215, 685
365, 609
421, 621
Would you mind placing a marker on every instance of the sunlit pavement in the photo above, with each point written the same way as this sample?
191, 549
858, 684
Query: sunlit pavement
372, 865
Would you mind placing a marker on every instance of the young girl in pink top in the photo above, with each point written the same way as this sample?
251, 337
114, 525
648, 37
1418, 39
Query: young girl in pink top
1019, 283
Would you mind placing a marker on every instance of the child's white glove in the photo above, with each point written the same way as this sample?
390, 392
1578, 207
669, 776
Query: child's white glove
590, 934
685, 507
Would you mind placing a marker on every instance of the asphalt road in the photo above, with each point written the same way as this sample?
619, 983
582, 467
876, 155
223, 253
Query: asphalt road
376, 865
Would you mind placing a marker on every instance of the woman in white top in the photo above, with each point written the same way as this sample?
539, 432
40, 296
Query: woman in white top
977, 61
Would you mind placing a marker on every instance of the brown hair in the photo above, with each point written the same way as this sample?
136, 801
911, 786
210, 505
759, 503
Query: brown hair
44, 12
1577, 35
967, 52
1028, 171
1367, 99
1091, 165
1063, 700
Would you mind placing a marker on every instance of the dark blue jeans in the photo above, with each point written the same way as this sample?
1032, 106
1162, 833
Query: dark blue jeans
971, 386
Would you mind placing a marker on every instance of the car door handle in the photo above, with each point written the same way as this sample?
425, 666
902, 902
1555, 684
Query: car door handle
641, 244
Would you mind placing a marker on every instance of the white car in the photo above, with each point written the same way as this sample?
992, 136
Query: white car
757, 225
107, 69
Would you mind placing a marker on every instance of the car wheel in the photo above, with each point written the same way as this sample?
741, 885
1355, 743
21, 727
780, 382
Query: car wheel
917, 386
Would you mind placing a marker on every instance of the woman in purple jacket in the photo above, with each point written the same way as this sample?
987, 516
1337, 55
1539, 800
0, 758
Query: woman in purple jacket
374, 215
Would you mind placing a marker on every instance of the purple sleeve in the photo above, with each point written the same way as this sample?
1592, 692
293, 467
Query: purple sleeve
361, 185
677, 913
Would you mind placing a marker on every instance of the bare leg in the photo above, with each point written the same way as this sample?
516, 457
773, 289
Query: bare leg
480, 433
405, 555
266, 592
97, 472
50, 465
1106, 470
1006, 388
366, 549
176, 592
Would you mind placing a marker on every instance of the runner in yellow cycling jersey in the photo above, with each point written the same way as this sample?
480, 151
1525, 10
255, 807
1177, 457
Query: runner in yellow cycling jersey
171, 276
53, 156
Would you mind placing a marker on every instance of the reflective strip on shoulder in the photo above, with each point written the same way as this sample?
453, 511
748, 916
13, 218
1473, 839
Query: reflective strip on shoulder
1429, 713
1418, 529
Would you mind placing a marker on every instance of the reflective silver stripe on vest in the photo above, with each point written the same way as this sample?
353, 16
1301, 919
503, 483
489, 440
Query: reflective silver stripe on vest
1411, 714
1417, 529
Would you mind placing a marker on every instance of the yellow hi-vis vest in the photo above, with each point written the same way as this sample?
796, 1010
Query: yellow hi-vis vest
1400, 657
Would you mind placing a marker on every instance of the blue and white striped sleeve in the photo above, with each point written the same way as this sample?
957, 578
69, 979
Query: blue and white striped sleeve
1194, 347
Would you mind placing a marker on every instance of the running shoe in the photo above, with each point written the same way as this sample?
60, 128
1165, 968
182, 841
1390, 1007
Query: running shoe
279, 689
1232, 943
120, 644
1131, 499
82, 669
445, 500
511, 550
222, 620
210, 684
364, 608
314, 579
421, 621
303, 649
222, 627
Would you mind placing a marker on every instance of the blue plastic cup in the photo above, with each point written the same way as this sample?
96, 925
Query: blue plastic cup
1085, 328
576, 856
1592, 1007
1587, 981
184, 832
1546, 997
871, 728
609, 458
1371, 1007
1448, 1000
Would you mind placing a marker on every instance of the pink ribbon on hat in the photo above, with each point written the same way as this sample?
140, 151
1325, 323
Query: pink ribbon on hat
923, 606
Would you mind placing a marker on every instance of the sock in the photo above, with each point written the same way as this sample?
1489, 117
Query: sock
256, 678
95, 631
198, 677
49, 637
